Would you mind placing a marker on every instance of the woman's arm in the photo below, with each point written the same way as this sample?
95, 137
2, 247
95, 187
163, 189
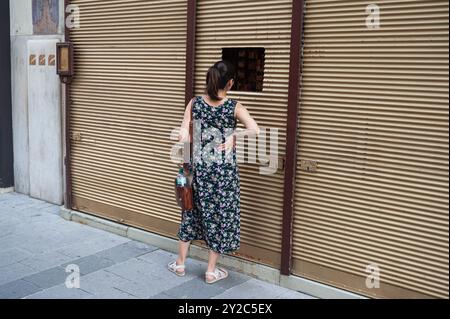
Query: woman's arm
184, 129
251, 127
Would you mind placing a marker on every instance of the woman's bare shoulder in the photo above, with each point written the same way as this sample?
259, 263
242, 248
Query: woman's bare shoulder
239, 108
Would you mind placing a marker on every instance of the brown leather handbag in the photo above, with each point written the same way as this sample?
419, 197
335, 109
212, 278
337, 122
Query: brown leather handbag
185, 195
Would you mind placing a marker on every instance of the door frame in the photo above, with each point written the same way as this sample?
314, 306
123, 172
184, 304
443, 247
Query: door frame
6, 130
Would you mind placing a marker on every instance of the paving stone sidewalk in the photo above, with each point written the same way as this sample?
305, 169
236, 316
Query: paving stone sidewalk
37, 246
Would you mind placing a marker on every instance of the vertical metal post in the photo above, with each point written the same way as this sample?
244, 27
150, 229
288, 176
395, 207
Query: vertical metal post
67, 156
190, 49
291, 140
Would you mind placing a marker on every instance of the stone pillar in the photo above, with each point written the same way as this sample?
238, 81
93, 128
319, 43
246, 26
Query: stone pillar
36, 25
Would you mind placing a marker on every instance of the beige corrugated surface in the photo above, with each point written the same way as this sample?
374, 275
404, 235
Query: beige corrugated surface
253, 24
127, 97
374, 114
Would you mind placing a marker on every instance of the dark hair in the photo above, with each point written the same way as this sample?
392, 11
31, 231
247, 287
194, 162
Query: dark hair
217, 78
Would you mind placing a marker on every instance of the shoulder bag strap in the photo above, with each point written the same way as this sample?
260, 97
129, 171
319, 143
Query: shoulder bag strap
191, 134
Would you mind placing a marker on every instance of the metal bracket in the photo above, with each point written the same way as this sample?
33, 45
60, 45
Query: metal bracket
76, 136
309, 166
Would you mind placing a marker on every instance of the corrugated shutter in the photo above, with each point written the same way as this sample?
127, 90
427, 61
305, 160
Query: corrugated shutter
374, 114
246, 24
127, 97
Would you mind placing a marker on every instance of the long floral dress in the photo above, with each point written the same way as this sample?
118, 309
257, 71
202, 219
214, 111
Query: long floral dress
216, 185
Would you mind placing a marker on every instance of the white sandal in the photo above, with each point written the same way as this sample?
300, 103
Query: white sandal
173, 267
218, 274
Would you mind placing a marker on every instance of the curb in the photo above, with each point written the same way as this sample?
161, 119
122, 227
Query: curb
6, 190
261, 272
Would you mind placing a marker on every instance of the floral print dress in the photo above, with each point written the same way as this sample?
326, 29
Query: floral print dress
216, 185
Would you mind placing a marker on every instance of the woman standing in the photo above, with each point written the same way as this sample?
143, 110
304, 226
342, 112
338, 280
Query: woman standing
216, 216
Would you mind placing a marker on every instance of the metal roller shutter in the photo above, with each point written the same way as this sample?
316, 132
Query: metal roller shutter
130, 59
374, 114
246, 24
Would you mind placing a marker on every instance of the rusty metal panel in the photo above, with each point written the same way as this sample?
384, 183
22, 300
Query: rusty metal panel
45, 16
127, 96
374, 120
259, 24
